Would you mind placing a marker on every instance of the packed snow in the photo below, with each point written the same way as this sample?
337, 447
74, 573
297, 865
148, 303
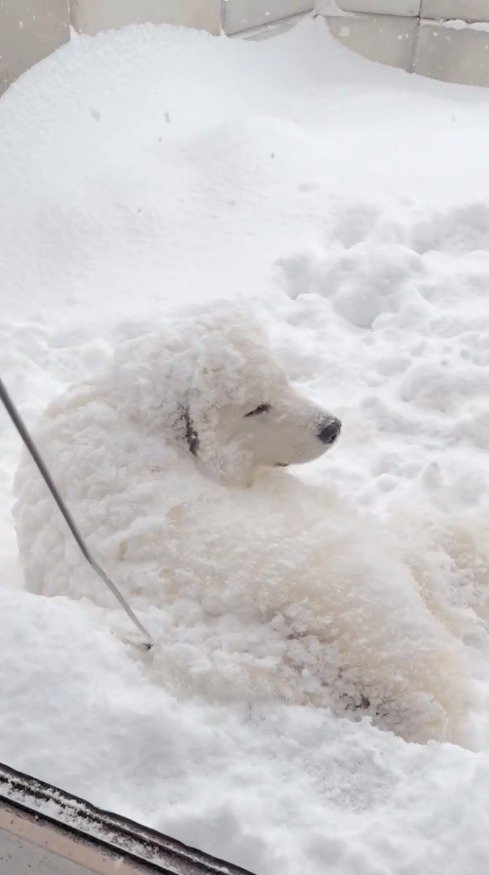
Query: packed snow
151, 168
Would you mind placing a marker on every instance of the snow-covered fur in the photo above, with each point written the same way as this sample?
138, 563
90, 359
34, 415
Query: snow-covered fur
260, 585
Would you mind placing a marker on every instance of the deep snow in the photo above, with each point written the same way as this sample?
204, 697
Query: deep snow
156, 166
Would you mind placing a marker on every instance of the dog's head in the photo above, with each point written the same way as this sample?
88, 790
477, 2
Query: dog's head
214, 384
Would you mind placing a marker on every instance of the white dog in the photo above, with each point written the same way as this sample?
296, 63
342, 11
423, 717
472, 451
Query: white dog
172, 464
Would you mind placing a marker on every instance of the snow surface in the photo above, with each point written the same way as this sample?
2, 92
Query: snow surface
151, 167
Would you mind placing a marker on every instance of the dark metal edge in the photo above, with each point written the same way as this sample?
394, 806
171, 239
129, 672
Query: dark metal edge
127, 832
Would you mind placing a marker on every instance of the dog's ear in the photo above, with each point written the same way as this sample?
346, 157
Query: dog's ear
191, 434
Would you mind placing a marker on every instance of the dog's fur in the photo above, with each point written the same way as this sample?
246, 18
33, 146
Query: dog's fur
261, 585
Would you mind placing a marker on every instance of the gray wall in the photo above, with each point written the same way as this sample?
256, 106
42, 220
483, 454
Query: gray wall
443, 39
30, 30
90, 16
239, 15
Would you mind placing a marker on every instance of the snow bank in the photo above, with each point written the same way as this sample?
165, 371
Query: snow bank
154, 166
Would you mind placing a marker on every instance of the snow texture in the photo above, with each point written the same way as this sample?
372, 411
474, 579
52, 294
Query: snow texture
154, 167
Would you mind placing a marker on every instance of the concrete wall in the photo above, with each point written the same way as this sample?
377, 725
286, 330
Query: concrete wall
90, 16
468, 10
407, 8
387, 39
30, 30
239, 15
453, 53
443, 39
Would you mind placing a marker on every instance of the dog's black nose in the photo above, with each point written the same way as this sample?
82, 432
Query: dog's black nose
330, 432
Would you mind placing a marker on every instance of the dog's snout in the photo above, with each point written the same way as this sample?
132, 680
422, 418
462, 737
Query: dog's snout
329, 433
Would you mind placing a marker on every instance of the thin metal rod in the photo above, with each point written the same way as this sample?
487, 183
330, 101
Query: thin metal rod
21, 428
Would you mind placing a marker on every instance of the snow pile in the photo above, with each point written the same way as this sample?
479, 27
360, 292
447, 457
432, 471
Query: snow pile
155, 166
418, 289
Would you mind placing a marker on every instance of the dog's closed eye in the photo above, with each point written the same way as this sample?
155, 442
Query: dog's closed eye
262, 408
